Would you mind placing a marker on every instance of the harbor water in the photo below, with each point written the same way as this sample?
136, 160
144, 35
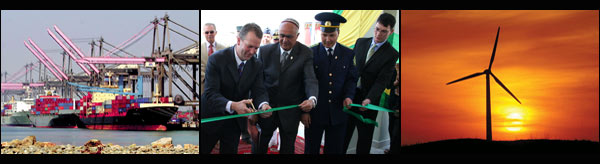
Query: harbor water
78, 137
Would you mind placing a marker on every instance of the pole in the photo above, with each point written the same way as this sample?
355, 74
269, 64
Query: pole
488, 116
48, 59
42, 60
61, 34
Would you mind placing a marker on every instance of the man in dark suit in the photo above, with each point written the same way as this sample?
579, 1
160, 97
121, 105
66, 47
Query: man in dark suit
290, 80
337, 77
233, 76
375, 59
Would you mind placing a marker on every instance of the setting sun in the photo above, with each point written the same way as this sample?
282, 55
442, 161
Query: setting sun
514, 122
516, 116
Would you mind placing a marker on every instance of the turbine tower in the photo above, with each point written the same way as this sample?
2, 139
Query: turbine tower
488, 72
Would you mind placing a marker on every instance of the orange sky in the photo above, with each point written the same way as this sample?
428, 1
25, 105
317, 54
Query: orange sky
548, 59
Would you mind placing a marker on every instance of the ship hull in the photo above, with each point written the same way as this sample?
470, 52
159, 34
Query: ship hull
56, 121
140, 119
17, 119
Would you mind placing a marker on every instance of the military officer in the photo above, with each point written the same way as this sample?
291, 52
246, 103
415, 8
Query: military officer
337, 78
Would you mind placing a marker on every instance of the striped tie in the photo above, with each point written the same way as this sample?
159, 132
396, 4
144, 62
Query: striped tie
241, 68
210, 50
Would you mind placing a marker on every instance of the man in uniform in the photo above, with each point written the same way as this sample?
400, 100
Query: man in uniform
337, 78
276, 37
266, 37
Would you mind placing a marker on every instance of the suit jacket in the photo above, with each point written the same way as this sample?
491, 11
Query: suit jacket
333, 89
291, 85
204, 60
223, 84
377, 72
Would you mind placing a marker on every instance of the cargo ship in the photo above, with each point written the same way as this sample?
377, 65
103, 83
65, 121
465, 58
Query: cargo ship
111, 107
51, 111
125, 113
14, 113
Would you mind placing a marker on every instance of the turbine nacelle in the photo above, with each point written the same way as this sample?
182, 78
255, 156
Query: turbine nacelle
487, 71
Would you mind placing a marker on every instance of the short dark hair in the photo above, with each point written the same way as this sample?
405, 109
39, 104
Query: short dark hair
250, 27
386, 19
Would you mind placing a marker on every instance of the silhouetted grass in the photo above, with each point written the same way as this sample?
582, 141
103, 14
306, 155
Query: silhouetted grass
519, 146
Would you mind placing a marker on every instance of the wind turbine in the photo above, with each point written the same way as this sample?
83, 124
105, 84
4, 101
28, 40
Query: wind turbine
487, 73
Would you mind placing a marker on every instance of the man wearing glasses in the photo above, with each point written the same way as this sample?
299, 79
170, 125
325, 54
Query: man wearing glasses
374, 60
208, 48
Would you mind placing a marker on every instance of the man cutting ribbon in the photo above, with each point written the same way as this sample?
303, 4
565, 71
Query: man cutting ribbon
233, 75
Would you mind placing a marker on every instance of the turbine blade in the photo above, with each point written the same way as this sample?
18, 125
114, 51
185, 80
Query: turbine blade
466, 77
494, 52
502, 85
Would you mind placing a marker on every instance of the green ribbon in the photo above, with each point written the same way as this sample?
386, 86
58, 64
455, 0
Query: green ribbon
202, 121
373, 107
366, 120
358, 116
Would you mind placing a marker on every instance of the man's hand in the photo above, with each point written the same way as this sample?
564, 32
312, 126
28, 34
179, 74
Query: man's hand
305, 119
241, 106
268, 114
347, 103
307, 105
365, 103
252, 119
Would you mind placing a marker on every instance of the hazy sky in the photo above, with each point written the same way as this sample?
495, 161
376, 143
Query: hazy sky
114, 26
548, 59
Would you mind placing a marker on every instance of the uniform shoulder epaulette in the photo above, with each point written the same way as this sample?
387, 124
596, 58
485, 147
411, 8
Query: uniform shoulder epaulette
311, 46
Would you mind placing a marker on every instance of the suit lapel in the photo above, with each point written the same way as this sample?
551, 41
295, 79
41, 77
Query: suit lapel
203, 49
276, 58
232, 66
245, 72
362, 56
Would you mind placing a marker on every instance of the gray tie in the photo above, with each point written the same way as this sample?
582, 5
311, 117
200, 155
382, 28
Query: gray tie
370, 53
283, 58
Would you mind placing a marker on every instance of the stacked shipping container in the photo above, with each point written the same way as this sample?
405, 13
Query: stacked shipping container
51, 105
